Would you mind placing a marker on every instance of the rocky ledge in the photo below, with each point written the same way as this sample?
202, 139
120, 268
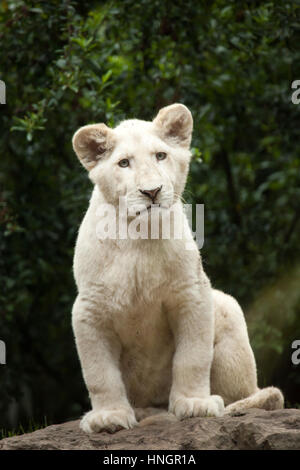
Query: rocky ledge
252, 429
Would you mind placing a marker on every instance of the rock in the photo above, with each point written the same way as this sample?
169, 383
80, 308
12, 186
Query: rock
251, 429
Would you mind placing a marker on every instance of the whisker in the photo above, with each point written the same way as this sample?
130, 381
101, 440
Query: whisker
180, 197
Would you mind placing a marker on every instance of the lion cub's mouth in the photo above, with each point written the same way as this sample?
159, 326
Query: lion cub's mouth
148, 209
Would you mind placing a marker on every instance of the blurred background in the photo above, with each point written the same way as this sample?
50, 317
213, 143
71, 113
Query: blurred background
70, 63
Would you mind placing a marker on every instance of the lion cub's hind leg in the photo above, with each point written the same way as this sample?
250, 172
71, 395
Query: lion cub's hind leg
233, 373
269, 398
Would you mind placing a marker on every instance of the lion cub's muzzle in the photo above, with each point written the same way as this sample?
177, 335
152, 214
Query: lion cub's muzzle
151, 193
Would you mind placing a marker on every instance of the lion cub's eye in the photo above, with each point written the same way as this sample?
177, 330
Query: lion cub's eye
161, 155
123, 163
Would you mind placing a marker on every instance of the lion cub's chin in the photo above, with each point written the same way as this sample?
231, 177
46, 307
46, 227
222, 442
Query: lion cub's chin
148, 211
157, 222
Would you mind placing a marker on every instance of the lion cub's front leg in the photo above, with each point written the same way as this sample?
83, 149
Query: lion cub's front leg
191, 319
99, 351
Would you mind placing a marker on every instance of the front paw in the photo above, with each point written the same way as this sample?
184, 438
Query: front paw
110, 420
184, 407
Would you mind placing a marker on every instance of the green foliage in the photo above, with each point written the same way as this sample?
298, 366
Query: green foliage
21, 430
69, 63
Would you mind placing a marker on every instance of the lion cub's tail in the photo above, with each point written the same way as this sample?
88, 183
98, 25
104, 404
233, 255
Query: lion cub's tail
269, 398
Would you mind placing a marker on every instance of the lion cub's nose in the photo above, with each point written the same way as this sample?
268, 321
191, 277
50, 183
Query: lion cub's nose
151, 193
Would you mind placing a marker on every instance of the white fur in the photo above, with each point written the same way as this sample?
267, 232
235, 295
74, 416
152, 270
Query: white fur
149, 329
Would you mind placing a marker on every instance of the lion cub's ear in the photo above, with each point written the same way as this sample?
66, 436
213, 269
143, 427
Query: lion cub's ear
174, 123
91, 143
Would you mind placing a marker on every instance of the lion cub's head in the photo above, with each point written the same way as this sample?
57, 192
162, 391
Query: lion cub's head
145, 162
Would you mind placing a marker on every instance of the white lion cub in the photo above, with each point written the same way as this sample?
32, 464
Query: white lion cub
149, 329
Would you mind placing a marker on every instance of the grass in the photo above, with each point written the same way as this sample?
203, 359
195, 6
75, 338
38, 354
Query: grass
31, 427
